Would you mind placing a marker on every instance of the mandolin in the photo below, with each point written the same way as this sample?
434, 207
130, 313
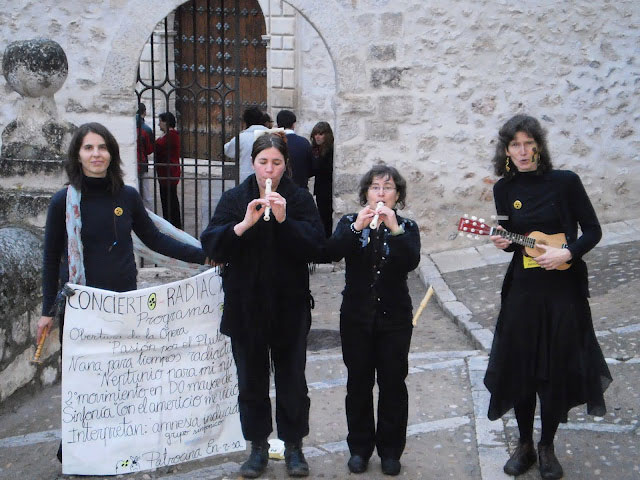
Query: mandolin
474, 226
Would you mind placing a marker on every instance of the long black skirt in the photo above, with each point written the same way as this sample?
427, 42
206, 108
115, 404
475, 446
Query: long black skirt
544, 342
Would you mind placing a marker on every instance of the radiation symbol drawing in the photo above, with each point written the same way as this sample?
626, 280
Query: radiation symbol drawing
152, 301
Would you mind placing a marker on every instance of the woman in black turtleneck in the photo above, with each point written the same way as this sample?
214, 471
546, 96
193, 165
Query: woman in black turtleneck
109, 211
544, 341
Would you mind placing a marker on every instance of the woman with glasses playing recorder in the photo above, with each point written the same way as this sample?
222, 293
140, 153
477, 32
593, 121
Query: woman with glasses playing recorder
380, 248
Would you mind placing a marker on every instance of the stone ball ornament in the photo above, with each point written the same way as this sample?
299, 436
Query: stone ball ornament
35, 68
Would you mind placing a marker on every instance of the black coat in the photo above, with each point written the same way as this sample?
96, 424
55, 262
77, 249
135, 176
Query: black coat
300, 158
376, 273
265, 274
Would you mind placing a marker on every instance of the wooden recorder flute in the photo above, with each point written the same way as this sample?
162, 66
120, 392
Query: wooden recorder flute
267, 191
423, 304
43, 338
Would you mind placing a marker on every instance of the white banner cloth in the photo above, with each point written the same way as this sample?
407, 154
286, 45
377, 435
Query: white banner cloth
148, 380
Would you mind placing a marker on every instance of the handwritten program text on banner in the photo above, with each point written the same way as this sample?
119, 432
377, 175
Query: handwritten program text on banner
148, 380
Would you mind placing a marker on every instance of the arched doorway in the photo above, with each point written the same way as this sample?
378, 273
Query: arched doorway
206, 63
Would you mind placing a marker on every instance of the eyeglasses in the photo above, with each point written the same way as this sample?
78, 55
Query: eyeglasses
378, 188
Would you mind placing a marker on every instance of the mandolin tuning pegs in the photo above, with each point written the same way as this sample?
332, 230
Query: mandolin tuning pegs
466, 215
473, 217
476, 237
481, 220
461, 234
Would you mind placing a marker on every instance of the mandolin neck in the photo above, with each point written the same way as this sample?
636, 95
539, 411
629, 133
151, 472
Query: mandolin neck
515, 237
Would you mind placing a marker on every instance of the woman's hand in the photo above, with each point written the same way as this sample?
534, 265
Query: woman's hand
499, 241
43, 323
388, 217
255, 209
278, 206
552, 257
364, 218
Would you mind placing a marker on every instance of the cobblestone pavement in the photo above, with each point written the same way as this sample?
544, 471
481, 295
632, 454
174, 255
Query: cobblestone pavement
449, 435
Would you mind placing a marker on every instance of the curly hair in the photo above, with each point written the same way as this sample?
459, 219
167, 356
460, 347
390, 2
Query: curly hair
386, 172
526, 124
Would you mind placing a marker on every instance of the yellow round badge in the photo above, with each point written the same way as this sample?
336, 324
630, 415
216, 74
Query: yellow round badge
118, 211
517, 204
152, 301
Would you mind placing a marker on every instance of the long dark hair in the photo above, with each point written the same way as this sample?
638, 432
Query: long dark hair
322, 127
384, 171
276, 140
526, 124
73, 167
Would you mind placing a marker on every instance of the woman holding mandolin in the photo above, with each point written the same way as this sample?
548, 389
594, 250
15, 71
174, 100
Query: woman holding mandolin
544, 342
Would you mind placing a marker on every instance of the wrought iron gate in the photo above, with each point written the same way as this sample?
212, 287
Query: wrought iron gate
206, 63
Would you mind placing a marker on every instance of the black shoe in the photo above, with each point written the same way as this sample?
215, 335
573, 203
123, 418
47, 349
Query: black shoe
550, 467
521, 460
357, 464
257, 461
390, 466
297, 466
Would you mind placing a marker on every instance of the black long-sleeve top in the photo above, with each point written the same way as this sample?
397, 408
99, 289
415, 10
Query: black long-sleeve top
106, 239
376, 272
553, 202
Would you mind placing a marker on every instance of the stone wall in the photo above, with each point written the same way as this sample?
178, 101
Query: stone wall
20, 302
423, 85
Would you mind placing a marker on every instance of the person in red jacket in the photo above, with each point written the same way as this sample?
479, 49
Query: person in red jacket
167, 163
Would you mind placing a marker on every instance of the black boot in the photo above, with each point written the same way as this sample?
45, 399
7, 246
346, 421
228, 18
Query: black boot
257, 461
521, 460
297, 466
550, 467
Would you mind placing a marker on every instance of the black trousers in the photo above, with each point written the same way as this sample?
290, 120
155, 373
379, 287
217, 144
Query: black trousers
325, 209
368, 351
292, 400
170, 204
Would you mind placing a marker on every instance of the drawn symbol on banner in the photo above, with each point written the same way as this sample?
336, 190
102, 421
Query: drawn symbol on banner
124, 463
152, 301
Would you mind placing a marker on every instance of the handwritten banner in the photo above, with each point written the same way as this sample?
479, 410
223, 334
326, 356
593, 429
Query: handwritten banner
148, 380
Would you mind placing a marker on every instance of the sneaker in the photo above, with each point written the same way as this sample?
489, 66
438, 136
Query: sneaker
257, 461
550, 468
297, 465
521, 460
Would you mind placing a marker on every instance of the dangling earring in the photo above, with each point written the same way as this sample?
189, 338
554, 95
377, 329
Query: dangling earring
536, 156
506, 164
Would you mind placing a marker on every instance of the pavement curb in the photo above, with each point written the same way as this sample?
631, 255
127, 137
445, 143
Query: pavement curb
453, 308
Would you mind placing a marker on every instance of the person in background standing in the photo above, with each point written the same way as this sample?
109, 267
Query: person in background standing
322, 148
253, 119
300, 156
267, 121
167, 165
